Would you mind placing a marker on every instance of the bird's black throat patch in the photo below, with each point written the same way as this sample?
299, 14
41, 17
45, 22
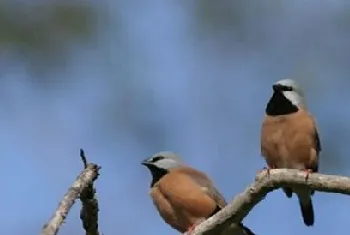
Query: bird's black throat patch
280, 105
217, 209
157, 173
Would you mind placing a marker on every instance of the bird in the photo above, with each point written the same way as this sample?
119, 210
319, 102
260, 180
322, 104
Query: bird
290, 139
184, 196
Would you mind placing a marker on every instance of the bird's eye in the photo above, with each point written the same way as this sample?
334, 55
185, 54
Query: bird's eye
156, 159
281, 88
287, 88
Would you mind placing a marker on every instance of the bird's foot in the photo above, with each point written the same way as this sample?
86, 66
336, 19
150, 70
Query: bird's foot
307, 172
190, 229
267, 169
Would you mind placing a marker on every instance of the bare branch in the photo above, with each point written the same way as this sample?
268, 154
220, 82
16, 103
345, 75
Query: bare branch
86, 177
83, 158
89, 209
244, 202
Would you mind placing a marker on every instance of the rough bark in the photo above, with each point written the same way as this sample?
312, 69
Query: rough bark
82, 187
244, 202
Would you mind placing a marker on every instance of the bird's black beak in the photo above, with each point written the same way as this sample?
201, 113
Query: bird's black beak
277, 87
146, 162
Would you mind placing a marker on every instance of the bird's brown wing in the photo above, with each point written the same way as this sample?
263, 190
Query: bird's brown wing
318, 146
317, 138
313, 129
304, 145
206, 185
186, 195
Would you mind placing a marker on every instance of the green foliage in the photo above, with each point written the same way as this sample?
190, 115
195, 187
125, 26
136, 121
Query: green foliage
42, 33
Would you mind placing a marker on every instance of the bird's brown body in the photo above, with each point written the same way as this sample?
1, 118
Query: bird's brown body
290, 141
185, 197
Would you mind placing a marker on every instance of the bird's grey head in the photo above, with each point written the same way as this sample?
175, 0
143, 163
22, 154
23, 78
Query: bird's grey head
291, 90
163, 160
160, 164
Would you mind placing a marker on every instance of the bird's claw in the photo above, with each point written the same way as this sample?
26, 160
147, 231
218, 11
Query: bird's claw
267, 169
190, 229
307, 172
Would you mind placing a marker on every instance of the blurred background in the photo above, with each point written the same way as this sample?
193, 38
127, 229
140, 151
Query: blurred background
123, 81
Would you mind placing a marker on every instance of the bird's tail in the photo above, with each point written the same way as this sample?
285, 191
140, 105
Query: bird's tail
288, 192
236, 229
306, 207
247, 230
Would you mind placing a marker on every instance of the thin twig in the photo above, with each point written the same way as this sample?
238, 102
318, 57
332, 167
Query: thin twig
83, 158
244, 202
89, 209
86, 177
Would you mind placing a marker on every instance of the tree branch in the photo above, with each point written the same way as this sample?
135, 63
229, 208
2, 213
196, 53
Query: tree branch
244, 202
89, 209
85, 178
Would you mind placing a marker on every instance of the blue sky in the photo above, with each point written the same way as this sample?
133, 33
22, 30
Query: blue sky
157, 78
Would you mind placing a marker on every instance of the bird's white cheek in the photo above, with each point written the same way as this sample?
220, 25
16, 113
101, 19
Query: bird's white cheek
294, 97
